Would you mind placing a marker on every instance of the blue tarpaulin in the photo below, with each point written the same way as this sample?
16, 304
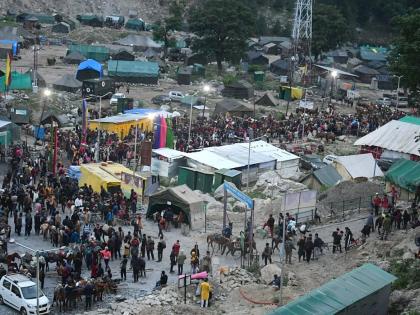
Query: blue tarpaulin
39, 133
14, 45
74, 172
90, 64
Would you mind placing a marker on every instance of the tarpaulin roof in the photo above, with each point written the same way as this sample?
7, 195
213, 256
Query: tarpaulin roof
125, 68
168, 153
74, 57
118, 119
68, 80
100, 53
149, 112
91, 65
396, 136
340, 293
360, 165
411, 119
327, 176
405, 174
4, 123
267, 100
213, 160
231, 105
20, 81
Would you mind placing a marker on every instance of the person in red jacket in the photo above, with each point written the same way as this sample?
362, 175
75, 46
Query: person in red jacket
176, 247
376, 204
385, 203
106, 255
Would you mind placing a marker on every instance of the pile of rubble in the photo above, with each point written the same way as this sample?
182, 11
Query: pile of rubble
236, 278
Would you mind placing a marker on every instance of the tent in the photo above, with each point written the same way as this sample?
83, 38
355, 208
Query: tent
233, 107
134, 71
67, 83
123, 55
405, 174
358, 165
411, 120
267, 100
135, 24
322, 178
74, 58
99, 53
9, 131
397, 139
61, 27
139, 42
240, 89
20, 81
94, 176
181, 198
89, 69
60, 119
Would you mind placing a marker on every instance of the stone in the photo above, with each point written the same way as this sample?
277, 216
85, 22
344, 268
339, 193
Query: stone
268, 272
407, 256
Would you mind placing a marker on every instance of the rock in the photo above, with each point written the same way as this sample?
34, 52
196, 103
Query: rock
291, 279
407, 256
384, 265
268, 272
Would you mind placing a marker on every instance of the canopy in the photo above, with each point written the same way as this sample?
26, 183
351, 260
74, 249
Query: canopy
121, 124
125, 68
182, 198
396, 136
358, 165
67, 83
89, 69
94, 176
411, 119
405, 174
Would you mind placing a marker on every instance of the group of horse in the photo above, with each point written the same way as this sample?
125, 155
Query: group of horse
67, 296
232, 244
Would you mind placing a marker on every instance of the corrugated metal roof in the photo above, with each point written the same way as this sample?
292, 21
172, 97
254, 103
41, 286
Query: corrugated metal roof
269, 150
169, 153
394, 136
337, 294
360, 165
213, 160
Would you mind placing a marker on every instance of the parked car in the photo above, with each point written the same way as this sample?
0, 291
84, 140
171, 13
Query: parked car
383, 101
402, 102
311, 162
161, 99
385, 164
19, 292
329, 159
115, 97
176, 96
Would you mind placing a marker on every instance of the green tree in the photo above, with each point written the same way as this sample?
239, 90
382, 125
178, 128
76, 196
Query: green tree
330, 28
405, 56
172, 23
222, 28
261, 27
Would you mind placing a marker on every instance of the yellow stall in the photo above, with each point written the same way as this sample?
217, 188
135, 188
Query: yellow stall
93, 175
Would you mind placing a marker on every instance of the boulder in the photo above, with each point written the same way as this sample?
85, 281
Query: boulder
268, 272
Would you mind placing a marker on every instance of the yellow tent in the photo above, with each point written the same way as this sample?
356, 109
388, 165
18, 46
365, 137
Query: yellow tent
121, 124
94, 176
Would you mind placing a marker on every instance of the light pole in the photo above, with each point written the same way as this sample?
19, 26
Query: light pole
37, 252
189, 128
334, 75
99, 125
135, 147
292, 67
46, 93
304, 110
398, 90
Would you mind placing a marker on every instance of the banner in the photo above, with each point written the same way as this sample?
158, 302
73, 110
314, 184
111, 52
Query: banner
8, 73
84, 120
306, 104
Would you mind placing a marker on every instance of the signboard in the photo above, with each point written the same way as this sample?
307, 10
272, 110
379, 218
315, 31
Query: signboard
20, 111
239, 195
352, 94
305, 200
306, 104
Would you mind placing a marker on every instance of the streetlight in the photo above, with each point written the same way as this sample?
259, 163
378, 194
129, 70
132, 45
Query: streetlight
292, 67
37, 252
99, 125
189, 128
304, 110
47, 93
398, 90
334, 75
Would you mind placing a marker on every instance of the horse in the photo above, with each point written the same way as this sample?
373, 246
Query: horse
60, 296
45, 227
218, 239
327, 136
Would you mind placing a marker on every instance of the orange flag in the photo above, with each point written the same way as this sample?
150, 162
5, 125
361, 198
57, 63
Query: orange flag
8, 74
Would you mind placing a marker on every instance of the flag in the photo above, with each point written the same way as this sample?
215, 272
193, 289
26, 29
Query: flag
169, 134
8, 73
163, 130
156, 135
84, 120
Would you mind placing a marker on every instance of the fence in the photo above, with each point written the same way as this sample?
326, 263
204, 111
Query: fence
342, 206
304, 216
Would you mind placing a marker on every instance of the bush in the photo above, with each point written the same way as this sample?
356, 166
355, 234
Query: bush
229, 79
407, 272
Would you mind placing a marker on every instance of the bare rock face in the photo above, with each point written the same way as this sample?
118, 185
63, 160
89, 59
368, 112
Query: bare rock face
268, 272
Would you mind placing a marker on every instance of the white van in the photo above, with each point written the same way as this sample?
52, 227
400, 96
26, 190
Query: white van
19, 292
175, 96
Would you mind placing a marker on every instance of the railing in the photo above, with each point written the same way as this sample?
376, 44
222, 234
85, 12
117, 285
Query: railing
340, 207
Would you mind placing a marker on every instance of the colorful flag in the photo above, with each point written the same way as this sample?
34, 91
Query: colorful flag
84, 120
169, 134
163, 130
156, 135
8, 73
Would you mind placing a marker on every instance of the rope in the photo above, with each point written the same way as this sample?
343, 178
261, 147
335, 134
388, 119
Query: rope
253, 301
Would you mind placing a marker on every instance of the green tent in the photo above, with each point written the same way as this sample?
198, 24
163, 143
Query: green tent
411, 119
98, 53
405, 174
134, 71
135, 24
44, 18
20, 81
180, 199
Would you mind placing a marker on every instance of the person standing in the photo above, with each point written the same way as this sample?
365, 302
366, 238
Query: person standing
194, 263
173, 261
301, 247
160, 247
181, 260
337, 235
376, 203
266, 254
150, 247
28, 224
205, 293
348, 238
18, 226
143, 245
386, 227
270, 224
106, 255
288, 248
406, 219
309, 247
123, 268
88, 291
136, 268
370, 222
37, 222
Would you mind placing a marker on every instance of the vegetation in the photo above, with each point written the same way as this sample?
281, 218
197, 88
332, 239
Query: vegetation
405, 55
408, 273
222, 28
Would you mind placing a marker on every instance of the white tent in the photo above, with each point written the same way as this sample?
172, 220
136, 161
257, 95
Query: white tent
395, 136
358, 165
